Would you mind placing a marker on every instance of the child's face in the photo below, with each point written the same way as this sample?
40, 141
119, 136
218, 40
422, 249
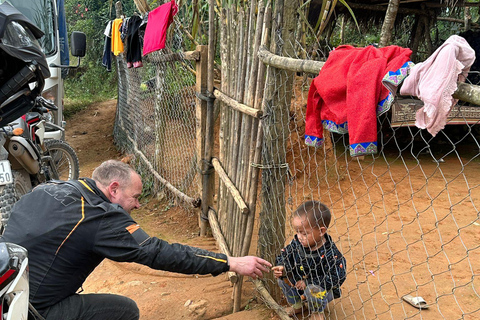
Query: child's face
309, 235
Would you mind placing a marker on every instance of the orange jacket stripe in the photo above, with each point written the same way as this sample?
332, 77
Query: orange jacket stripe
74, 228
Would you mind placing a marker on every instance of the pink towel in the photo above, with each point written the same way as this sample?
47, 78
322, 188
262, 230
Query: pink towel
435, 80
159, 20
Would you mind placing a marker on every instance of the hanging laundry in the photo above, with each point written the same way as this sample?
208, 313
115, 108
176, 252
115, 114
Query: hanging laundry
107, 48
134, 46
347, 95
435, 80
117, 44
159, 20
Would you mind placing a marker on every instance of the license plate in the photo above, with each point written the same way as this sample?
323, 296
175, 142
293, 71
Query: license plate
6, 176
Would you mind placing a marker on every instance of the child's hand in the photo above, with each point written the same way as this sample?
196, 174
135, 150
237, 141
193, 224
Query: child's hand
300, 285
278, 271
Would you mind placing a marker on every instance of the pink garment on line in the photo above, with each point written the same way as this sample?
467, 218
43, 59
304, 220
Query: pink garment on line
159, 20
435, 80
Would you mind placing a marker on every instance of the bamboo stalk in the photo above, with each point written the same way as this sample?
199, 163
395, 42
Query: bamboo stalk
178, 56
218, 235
250, 43
244, 139
224, 123
257, 138
271, 303
142, 6
233, 56
468, 93
237, 173
290, 64
230, 186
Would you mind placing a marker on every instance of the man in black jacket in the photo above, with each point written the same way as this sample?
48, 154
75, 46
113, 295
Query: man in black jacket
69, 227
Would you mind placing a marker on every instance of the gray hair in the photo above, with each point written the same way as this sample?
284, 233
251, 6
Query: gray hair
112, 170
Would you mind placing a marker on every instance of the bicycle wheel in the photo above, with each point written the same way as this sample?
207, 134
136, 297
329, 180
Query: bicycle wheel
64, 159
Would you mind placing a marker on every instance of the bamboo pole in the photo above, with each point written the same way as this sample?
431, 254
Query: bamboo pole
218, 235
224, 121
238, 175
235, 174
257, 137
178, 56
237, 105
250, 49
230, 186
468, 93
291, 64
232, 92
271, 303
465, 91
142, 6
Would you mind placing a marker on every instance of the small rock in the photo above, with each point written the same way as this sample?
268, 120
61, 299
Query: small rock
134, 283
198, 308
167, 294
189, 302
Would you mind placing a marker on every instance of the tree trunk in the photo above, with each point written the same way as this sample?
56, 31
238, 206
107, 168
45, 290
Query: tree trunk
388, 23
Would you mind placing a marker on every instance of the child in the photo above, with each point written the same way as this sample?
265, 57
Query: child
311, 265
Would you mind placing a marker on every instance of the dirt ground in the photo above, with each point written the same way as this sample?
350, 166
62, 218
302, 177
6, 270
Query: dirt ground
399, 234
159, 295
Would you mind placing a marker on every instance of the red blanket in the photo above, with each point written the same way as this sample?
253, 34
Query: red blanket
348, 94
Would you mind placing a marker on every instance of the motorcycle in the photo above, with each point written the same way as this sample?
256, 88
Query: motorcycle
14, 289
26, 157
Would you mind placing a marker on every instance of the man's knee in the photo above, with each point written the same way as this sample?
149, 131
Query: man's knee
131, 311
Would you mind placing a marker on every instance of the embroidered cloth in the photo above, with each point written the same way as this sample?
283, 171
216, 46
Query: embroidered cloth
347, 95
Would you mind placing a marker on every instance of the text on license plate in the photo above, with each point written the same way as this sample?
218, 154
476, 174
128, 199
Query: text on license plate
6, 176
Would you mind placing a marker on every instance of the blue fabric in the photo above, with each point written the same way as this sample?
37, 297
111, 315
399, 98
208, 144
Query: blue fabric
63, 37
107, 54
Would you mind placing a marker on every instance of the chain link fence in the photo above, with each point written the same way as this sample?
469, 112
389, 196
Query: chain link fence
155, 119
406, 219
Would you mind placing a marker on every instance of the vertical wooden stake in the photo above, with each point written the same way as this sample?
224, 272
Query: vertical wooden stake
208, 181
201, 117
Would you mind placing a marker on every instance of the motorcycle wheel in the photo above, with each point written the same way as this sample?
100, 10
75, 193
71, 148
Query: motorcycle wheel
65, 160
11, 193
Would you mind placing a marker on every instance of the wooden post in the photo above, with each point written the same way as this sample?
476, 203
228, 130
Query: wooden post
208, 182
142, 6
467, 18
201, 115
277, 99
118, 9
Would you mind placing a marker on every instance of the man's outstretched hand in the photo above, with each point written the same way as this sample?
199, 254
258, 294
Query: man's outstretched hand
249, 266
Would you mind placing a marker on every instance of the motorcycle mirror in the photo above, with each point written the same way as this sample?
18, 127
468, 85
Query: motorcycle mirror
78, 43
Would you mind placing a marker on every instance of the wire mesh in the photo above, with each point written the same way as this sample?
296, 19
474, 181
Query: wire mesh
156, 115
406, 219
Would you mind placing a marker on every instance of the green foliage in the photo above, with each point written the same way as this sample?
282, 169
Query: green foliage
91, 82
